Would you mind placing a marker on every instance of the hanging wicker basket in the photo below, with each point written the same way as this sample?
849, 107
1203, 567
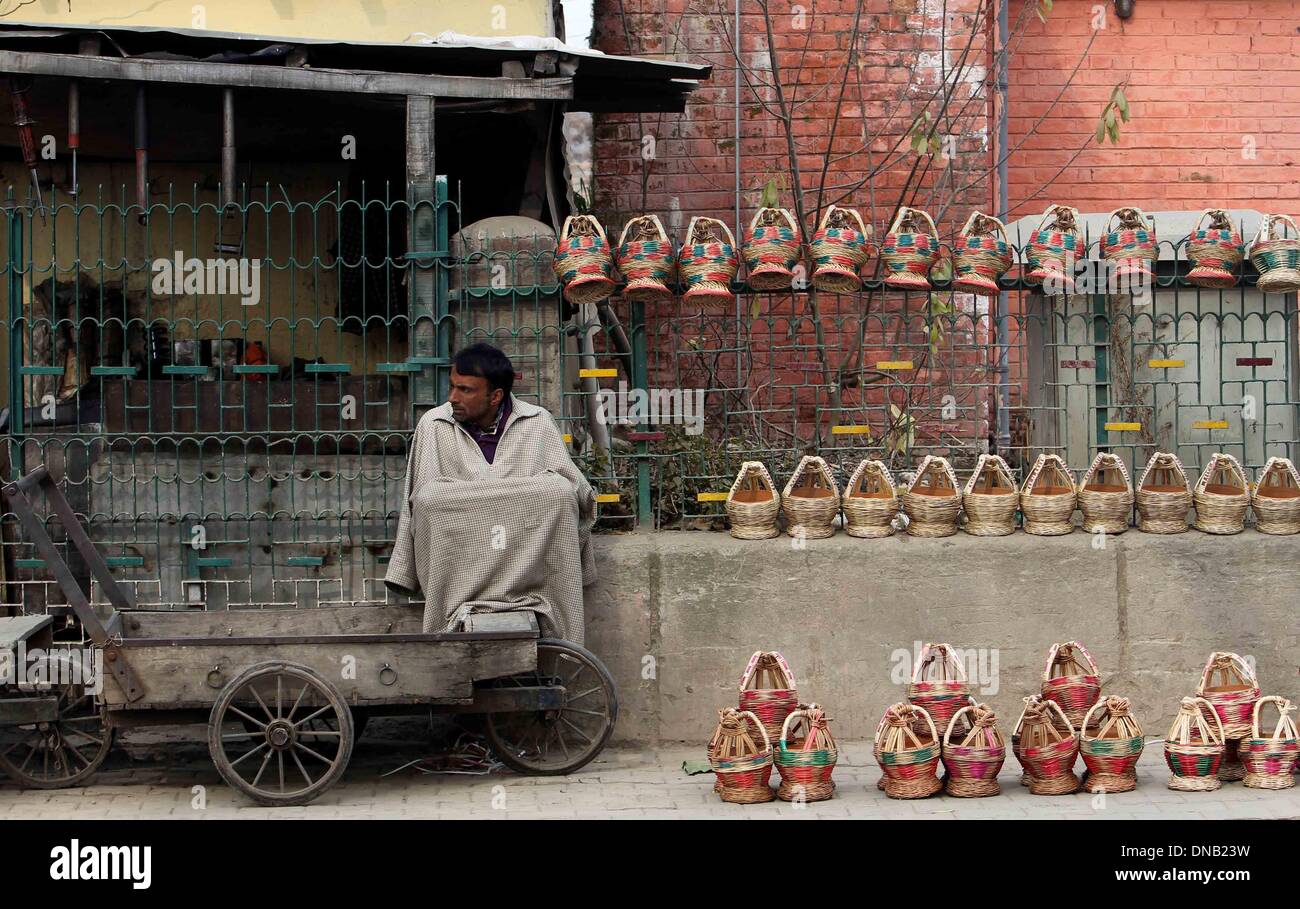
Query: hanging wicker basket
1276, 498
1163, 496
646, 260
583, 261
1048, 497
753, 503
909, 759
1054, 249
1270, 758
1277, 258
707, 261
1215, 251
1229, 685
1048, 749
767, 689
932, 501
982, 255
1071, 680
1221, 496
811, 500
1194, 747
741, 757
910, 251
974, 761
870, 501
806, 756
1130, 247
771, 249
1111, 743
990, 499
1106, 495
839, 250
938, 683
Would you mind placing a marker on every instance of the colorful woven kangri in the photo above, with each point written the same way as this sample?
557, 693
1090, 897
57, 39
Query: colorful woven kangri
811, 500
771, 249
1111, 743
911, 248
982, 255
767, 689
1106, 495
1221, 496
1130, 246
583, 261
1053, 249
1048, 749
1048, 497
1276, 256
839, 250
1275, 499
908, 759
973, 762
806, 756
938, 683
753, 503
1194, 747
870, 501
1163, 495
708, 262
1229, 685
1215, 251
741, 757
990, 499
1015, 738
1071, 680
1270, 758
646, 260
932, 501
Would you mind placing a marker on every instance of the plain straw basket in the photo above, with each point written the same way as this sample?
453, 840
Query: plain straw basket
811, 500
1106, 495
1221, 496
1215, 251
583, 261
1111, 746
870, 501
1163, 496
1194, 747
806, 756
1071, 680
1270, 759
1277, 258
981, 256
771, 249
973, 762
938, 683
932, 501
646, 260
909, 759
1130, 247
839, 250
1053, 249
990, 499
767, 689
1276, 498
1048, 751
1025, 774
708, 262
1048, 497
753, 503
910, 250
1229, 685
741, 759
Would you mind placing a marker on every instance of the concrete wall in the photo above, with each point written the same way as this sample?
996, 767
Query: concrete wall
1149, 608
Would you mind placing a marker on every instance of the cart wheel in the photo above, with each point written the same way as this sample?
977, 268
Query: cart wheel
301, 733
68, 751
554, 742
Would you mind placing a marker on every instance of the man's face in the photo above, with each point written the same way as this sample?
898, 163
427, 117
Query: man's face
472, 399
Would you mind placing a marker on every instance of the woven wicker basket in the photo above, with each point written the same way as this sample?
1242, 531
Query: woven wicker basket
1221, 496
1106, 495
911, 248
771, 249
938, 683
1215, 251
1130, 247
1163, 495
870, 501
1071, 680
811, 500
646, 260
1111, 743
1053, 249
708, 262
1048, 497
839, 250
1194, 747
806, 756
1270, 759
741, 757
1049, 747
753, 503
583, 261
1229, 685
1025, 775
1277, 258
767, 689
973, 762
932, 501
990, 499
1276, 498
1231, 769
909, 760
982, 255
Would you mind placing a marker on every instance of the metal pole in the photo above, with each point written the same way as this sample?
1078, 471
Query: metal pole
227, 147
1003, 323
142, 152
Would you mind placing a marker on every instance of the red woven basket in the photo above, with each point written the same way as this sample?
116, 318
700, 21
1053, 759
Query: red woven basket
974, 761
742, 766
767, 689
1215, 251
708, 262
1131, 246
806, 756
771, 249
1229, 685
908, 760
982, 255
1047, 750
583, 261
1074, 685
1270, 758
911, 248
939, 683
1194, 747
1054, 249
646, 260
1111, 747
839, 250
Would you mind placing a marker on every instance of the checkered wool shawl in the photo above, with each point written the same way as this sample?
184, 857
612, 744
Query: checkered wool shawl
480, 537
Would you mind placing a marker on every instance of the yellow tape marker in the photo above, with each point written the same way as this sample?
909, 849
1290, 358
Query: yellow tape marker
607, 497
1124, 427
568, 439
1166, 364
711, 497
1210, 424
850, 430
597, 373
893, 364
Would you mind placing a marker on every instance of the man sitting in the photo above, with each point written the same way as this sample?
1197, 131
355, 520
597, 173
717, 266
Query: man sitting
494, 514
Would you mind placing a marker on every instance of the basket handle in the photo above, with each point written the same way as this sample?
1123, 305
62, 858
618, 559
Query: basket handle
1057, 708
789, 219
572, 220
652, 220
753, 667
1083, 727
1212, 467
1243, 668
1266, 228
767, 743
934, 733
1212, 211
1139, 213
801, 713
1209, 708
1254, 714
1050, 213
903, 210
952, 723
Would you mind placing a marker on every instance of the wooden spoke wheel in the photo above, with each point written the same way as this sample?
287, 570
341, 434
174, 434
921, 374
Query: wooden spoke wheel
64, 752
554, 742
280, 733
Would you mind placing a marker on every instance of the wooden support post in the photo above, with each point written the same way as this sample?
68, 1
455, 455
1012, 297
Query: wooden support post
422, 252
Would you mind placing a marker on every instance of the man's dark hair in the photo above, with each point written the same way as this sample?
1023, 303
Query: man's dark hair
486, 361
